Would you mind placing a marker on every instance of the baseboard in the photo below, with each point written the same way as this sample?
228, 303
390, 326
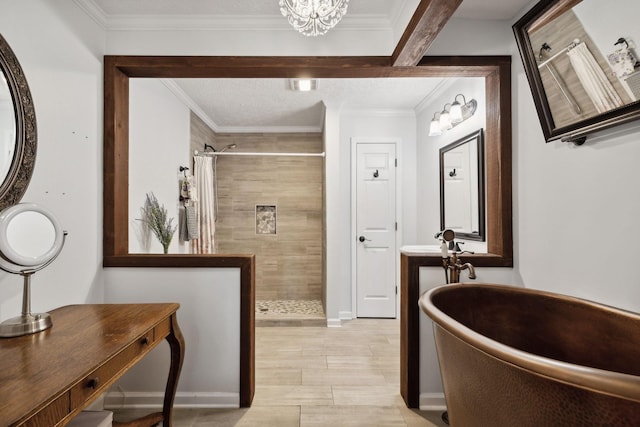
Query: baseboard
334, 323
96, 405
345, 315
432, 402
134, 399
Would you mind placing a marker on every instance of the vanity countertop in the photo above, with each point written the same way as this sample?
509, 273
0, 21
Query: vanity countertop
420, 250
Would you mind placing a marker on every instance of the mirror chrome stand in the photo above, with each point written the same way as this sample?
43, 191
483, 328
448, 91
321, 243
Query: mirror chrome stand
27, 323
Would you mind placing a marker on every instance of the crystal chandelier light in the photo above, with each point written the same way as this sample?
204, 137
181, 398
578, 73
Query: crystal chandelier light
313, 17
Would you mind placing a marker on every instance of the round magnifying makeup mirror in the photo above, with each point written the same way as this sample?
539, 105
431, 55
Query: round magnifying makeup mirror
30, 239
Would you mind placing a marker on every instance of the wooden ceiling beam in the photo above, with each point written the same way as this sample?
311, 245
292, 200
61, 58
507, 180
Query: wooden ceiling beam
425, 24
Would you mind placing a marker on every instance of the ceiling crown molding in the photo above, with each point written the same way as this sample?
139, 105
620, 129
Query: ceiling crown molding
94, 11
378, 112
190, 103
437, 91
269, 129
220, 22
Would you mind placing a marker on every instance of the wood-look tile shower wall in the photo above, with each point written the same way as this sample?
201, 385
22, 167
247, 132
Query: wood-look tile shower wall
289, 264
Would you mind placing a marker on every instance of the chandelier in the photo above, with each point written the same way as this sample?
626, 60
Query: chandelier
313, 17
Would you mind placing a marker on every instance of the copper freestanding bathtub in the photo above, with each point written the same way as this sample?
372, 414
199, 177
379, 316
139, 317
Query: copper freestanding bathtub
517, 357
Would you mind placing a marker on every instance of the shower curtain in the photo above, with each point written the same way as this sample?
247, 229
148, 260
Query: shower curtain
593, 79
205, 206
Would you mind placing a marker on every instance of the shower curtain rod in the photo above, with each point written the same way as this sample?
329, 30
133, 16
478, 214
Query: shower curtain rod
235, 153
571, 45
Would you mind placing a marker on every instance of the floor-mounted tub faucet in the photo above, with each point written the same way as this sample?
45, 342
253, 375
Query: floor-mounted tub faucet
453, 267
450, 262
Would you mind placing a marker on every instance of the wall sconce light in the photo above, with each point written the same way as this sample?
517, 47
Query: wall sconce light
445, 119
434, 127
461, 112
456, 114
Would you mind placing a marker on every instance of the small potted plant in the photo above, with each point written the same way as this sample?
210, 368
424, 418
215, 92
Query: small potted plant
155, 218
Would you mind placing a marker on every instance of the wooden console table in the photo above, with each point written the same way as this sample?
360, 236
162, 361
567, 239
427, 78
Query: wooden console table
47, 378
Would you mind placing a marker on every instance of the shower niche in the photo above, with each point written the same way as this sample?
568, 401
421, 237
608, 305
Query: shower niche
266, 216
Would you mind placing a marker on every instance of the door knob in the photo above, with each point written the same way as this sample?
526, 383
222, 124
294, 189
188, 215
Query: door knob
362, 239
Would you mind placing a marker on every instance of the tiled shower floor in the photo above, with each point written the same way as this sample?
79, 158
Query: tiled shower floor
290, 313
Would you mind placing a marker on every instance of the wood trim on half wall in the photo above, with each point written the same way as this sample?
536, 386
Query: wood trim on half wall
246, 264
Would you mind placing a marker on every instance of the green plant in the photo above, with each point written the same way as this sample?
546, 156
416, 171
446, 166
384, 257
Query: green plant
155, 218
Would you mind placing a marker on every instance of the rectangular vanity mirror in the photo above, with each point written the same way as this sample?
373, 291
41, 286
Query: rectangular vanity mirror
462, 204
581, 62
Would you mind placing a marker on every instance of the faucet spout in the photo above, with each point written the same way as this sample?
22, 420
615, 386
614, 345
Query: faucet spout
453, 267
472, 270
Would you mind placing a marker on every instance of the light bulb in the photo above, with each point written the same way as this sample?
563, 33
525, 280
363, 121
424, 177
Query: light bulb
445, 120
455, 113
304, 85
434, 128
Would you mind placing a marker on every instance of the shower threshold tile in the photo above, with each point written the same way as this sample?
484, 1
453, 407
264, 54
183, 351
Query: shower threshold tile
299, 307
290, 313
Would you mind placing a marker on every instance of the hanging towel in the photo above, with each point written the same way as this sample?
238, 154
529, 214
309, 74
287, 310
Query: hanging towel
622, 61
203, 169
191, 222
593, 79
186, 188
182, 225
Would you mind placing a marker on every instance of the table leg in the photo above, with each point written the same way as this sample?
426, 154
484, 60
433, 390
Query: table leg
176, 342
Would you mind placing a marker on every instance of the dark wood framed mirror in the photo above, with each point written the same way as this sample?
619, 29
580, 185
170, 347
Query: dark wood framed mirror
462, 187
18, 133
495, 70
581, 63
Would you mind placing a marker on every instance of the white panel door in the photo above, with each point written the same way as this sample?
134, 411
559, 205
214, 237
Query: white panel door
376, 230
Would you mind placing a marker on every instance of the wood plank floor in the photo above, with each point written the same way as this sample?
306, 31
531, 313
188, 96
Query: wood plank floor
318, 376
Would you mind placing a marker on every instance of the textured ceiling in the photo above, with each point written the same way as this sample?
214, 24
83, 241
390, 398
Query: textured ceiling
505, 10
232, 103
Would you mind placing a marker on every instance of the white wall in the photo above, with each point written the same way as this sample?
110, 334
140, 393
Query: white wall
209, 318
159, 138
60, 50
336, 272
